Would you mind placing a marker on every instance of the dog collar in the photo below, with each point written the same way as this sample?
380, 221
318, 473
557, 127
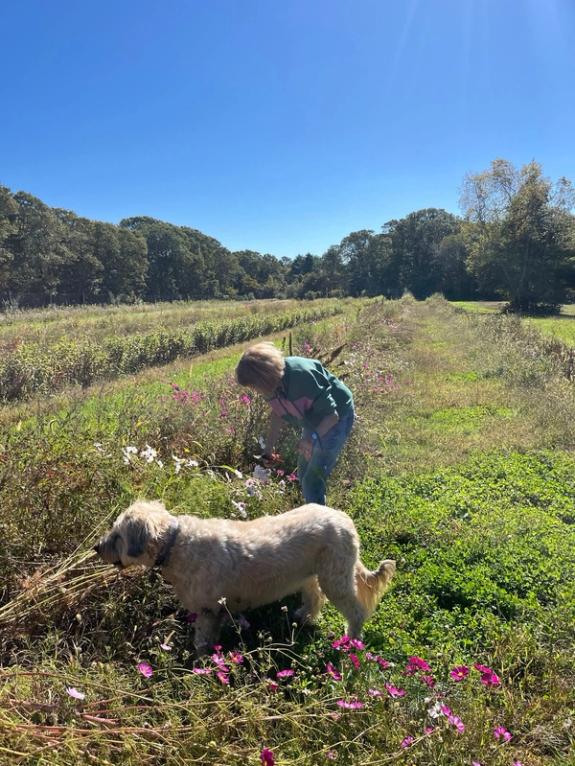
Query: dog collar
166, 549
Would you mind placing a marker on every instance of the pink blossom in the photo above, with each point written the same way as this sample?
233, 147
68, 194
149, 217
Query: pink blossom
333, 672
428, 680
414, 664
407, 742
374, 693
287, 673
166, 647
272, 686
500, 732
353, 704
237, 658
73, 692
202, 671
459, 672
223, 677
331, 755
145, 669
355, 643
267, 757
475, 763
245, 399
354, 659
488, 676
292, 476
394, 692
428, 730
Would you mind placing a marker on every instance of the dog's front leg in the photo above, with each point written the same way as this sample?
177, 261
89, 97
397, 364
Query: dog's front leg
208, 626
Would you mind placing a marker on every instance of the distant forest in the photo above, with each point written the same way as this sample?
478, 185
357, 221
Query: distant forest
514, 241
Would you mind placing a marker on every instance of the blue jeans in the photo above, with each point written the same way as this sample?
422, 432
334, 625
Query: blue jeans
313, 473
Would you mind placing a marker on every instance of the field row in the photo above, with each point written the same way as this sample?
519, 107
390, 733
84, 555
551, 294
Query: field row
36, 368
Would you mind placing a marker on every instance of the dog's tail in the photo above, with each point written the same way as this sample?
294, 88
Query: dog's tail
371, 585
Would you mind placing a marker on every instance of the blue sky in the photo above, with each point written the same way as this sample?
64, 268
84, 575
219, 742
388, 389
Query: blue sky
279, 126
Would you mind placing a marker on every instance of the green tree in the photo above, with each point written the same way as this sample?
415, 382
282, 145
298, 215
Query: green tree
521, 238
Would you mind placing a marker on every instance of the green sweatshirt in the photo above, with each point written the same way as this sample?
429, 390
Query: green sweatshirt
308, 393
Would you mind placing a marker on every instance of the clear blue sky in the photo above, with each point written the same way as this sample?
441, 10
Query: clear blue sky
279, 125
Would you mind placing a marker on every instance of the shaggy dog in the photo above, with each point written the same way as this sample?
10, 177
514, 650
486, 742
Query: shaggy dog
244, 564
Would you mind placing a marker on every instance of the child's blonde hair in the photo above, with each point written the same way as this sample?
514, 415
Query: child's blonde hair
261, 366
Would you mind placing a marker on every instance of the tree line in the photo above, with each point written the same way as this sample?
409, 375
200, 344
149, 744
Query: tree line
514, 241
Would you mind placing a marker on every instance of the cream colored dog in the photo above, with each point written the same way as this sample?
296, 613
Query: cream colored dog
244, 564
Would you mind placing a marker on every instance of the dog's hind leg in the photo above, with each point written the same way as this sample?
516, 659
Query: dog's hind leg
341, 592
207, 626
312, 601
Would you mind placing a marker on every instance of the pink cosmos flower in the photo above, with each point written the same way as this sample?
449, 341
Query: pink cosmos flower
237, 658
245, 399
223, 677
428, 730
202, 671
287, 673
166, 647
145, 669
267, 757
354, 659
272, 686
414, 664
341, 643
353, 704
488, 676
355, 643
407, 742
394, 692
475, 763
459, 672
333, 672
500, 732
292, 476
374, 693
428, 680
331, 755
517, 763
73, 692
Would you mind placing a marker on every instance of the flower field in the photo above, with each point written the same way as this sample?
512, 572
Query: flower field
460, 468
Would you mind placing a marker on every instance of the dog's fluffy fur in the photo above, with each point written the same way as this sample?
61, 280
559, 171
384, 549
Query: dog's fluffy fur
312, 549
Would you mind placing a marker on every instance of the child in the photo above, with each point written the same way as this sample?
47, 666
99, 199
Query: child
302, 392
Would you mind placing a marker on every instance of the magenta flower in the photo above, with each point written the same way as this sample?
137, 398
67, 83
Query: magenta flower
488, 676
374, 693
223, 677
202, 671
288, 673
237, 658
333, 672
428, 730
459, 673
292, 476
354, 659
355, 643
517, 763
428, 680
414, 664
341, 643
272, 686
407, 742
353, 704
73, 692
394, 692
267, 757
245, 399
475, 763
500, 732
145, 669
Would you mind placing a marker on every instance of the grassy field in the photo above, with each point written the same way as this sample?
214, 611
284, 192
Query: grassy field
561, 327
460, 467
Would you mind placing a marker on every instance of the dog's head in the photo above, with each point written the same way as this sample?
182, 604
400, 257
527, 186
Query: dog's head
136, 535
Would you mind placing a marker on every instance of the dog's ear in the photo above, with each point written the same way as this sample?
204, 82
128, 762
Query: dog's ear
137, 537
